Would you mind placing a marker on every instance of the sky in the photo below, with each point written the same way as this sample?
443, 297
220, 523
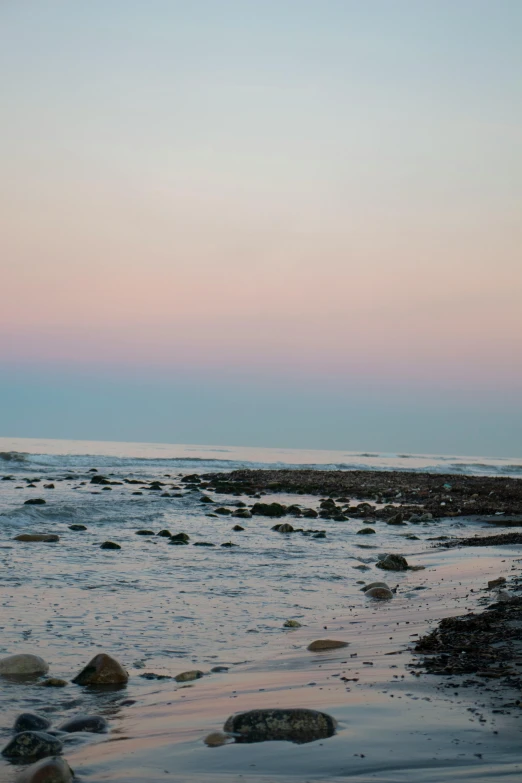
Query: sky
263, 222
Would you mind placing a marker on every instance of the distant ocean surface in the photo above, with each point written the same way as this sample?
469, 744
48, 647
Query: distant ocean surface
20, 453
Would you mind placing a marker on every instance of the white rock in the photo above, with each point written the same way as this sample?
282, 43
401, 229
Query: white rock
23, 664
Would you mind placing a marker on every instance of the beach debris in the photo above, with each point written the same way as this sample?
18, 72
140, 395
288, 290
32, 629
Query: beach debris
291, 624
381, 593
102, 670
326, 644
293, 725
35, 502
109, 545
53, 682
284, 527
269, 509
496, 582
193, 674
46, 537
32, 745
30, 721
23, 664
96, 724
365, 531
392, 563
48, 770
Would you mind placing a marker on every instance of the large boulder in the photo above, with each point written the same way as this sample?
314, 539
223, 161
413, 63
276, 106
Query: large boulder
29, 721
23, 665
102, 670
96, 724
32, 745
50, 770
393, 563
293, 725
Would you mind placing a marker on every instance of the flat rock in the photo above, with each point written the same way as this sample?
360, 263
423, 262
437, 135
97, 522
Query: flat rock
29, 721
102, 670
96, 724
32, 745
194, 674
326, 644
292, 725
50, 770
23, 664
47, 537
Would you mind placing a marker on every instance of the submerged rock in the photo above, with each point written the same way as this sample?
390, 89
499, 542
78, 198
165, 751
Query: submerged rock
32, 745
48, 770
23, 664
238, 528
374, 584
365, 531
96, 724
217, 738
102, 670
29, 721
326, 644
77, 527
203, 543
54, 682
35, 502
47, 537
194, 674
164, 533
291, 624
285, 527
393, 563
269, 509
145, 532
292, 725
381, 593
183, 537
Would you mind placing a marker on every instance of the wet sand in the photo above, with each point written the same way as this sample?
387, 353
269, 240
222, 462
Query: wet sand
397, 721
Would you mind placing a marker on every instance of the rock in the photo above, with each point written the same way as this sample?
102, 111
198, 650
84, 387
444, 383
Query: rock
48, 486
320, 534
48, 770
109, 545
382, 593
164, 533
365, 531
416, 568
217, 738
22, 665
205, 499
269, 509
145, 533
238, 528
35, 502
223, 510
180, 537
194, 674
229, 544
29, 721
496, 582
242, 513
178, 542
54, 682
203, 543
396, 519
32, 745
47, 537
310, 513
291, 624
77, 527
285, 527
96, 724
393, 563
374, 584
326, 644
219, 669
102, 670
293, 725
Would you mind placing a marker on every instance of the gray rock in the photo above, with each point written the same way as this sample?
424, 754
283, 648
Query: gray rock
93, 723
32, 745
29, 721
110, 545
393, 563
380, 593
293, 725
23, 665
102, 670
194, 674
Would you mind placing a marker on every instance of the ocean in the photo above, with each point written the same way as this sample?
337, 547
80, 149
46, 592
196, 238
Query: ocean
162, 609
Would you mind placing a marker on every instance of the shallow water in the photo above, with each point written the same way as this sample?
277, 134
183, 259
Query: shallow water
165, 609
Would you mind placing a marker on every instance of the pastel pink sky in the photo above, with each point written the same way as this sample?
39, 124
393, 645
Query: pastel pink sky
325, 193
